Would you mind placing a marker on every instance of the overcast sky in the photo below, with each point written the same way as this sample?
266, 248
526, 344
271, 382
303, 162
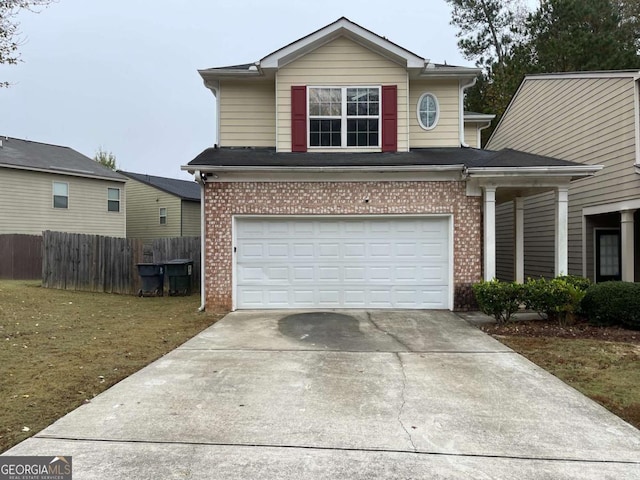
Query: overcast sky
122, 75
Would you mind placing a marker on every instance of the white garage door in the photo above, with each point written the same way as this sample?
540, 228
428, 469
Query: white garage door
386, 262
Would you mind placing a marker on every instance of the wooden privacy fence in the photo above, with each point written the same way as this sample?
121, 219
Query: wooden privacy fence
107, 264
20, 256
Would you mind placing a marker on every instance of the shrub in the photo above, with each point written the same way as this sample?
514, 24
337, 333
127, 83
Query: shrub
613, 303
498, 299
580, 283
559, 299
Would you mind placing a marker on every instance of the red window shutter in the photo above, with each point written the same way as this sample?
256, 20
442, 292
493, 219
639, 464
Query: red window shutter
389, 118
298, 119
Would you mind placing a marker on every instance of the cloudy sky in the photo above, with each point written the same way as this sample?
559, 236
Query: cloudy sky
121, 74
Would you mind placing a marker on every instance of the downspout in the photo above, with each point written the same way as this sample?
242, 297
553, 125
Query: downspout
463, 87
483, 127
636, 116
201, 180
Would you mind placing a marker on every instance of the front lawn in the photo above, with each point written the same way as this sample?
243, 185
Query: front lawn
60, 348
601, 362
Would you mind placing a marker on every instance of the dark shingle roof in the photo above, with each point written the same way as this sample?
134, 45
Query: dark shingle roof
43, 156
469, 157
185, 189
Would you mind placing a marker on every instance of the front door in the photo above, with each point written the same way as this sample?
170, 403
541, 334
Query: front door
608, 256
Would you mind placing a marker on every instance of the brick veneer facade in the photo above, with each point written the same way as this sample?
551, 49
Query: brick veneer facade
223, 200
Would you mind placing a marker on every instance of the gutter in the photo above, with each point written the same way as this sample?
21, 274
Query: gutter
463, 87
574, 170
203, 296
346, 169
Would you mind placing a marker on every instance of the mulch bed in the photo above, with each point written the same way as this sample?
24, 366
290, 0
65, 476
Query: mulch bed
547, 328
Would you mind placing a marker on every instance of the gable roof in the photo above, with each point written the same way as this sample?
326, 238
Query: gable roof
185, 189
563, 76
44, 157
343, 27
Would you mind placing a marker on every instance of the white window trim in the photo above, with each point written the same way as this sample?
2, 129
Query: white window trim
344, 117
119, 200
160, 216
53, 195
435, 122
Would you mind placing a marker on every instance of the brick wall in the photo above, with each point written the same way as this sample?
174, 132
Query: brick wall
223, 200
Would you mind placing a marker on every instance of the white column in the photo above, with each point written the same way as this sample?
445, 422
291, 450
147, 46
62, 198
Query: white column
562, 231
518, 250
627, 240
489, 233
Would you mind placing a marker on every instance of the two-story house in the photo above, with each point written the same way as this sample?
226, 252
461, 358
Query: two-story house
347, 175
159, 207
52, 187
589, 118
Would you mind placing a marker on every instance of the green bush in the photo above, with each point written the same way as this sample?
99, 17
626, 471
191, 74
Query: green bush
498, 299
613, 303
559, 299
580, 283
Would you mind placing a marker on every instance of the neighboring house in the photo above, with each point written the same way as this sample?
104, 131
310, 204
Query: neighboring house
161, 207
50, 187
344, 178
589, 118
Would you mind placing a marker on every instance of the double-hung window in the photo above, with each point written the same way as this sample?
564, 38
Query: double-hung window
60, 195
163, 215
344, 116
113, 199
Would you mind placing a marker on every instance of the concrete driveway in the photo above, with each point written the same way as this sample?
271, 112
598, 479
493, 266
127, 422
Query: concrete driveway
348, 394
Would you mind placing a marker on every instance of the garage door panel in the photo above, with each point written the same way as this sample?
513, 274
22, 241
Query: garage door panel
354, 250
333, 263
329, 251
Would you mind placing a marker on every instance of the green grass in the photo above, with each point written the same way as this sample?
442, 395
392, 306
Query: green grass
59, 348
607, 372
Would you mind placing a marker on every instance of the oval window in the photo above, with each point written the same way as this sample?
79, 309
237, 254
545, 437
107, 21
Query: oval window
428, 111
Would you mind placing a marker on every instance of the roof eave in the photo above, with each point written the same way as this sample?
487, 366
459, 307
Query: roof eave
331, 169
70, 173
479, 118
450, 72
574, 171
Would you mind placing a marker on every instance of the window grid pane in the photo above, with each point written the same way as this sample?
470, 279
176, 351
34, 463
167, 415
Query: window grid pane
428, 111
609, 255
362, 132
352, 113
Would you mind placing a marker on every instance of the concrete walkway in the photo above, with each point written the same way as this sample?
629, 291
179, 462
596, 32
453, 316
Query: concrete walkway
349, 394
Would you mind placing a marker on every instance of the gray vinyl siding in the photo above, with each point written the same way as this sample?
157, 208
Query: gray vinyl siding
26, 204
504, 242
585, 120
143, 212
190, 218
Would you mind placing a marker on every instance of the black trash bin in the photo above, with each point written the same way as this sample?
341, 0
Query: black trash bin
179, 272
152, 276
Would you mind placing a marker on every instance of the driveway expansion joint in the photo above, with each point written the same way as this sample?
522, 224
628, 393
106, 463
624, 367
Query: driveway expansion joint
339, 449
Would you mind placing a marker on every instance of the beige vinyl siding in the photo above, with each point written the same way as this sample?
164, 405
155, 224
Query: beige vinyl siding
143, 212
248, 113
504, 242
447, 131
590, 121
190, 218
471, 135
338, 63
27, 204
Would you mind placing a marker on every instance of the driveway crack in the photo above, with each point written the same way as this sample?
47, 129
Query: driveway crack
404, 401
396, 339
